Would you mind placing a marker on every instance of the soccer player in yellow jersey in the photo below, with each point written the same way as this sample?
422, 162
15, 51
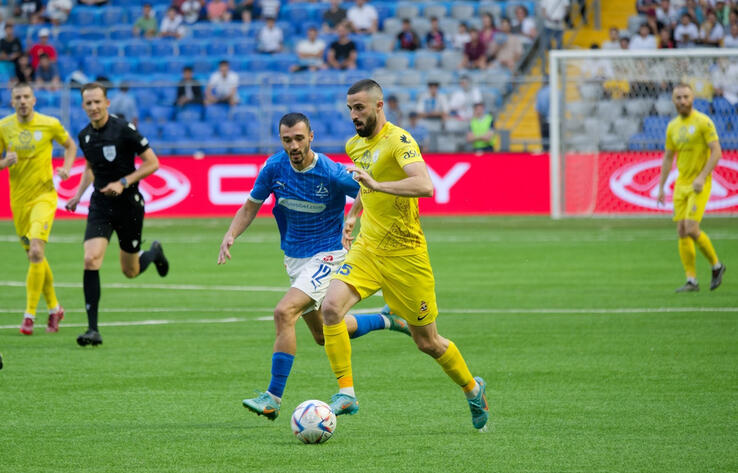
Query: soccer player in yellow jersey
390, 252
26, 138
692, 136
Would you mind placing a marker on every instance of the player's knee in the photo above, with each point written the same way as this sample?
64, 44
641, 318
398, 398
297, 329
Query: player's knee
284, 317
430, 347
92, 262
331, 312
35, 254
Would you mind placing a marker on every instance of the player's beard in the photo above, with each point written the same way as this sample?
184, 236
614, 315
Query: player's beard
299, 157
367, 128
684, 110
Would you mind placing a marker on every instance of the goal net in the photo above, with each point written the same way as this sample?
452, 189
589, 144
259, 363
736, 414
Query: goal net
608, 127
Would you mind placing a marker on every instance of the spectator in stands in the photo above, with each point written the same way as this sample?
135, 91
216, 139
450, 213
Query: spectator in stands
597, 68
711, 31
417, 130
342, 52
461, 103
363, 17
146, 24
172, 24
23, 70
310, 51
270, 37
408, 39
523, 24
333, 16
481, 133
724, 78
475, 53
722, 11
506, 48
667, 13
269, 8
392, 111
46, 75
487, 33
614, 42
2, 25
694, 11
42, 47
57, 11
191, 10
686, 32
644, 7
554, 12
624, 42
222, 86
665, 41
245, 10
461, 37
731, 40
189, 89
217, 11
644, 39
123, 105
94, 3
543, 99
432, 105
10, 46
434, 39
29, 11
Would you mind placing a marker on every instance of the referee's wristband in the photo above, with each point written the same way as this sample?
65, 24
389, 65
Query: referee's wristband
124, 181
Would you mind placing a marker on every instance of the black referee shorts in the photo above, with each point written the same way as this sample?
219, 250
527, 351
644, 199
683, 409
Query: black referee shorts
123, 214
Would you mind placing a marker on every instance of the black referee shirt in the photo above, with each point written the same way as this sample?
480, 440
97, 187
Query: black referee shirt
111, 150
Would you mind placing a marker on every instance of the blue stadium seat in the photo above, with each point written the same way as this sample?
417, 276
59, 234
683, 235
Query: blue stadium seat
93, 34
173, 65
136, 48
702, 105
92, 66
120, 66
730, 141
341, 129
167, 95
244, 115
66, 35
162, 47
229, 130
216, 113
80, 49
84, 16
723, 107
244, 47
371, 60
204, 65
189, 115
191, 48
121, 33
172, 131
148, 129
107, 49
655, 124
200, 130
161, 113
113, 16
217, 49
147, 66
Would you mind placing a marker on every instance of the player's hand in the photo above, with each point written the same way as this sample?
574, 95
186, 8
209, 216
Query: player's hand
10, 158
363, 177
113, 189
660, 197
63, 173
348, 233
71, 205
698, 184
225, 248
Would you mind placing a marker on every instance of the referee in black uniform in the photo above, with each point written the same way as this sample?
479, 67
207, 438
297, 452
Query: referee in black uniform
110, 145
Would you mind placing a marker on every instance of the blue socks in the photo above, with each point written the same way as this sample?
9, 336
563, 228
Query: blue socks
281, 366
366, 323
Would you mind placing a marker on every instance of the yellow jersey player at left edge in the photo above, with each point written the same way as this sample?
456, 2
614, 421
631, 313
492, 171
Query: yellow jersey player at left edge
26, 139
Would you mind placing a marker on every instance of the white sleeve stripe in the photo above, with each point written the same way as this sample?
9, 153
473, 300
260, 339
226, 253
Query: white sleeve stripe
258, 201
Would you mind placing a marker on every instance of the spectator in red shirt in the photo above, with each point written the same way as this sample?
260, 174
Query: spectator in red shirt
407, 38
475, 52
42, 47
434, 39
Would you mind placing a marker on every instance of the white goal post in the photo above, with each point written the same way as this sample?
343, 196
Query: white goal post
608, 122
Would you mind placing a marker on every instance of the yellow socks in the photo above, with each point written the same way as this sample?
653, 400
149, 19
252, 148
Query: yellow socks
338, 349
49, 293
688, 256
705, 246
455, 367
34, 285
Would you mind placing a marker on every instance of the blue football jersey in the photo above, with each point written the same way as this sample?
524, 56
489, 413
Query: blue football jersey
308, 204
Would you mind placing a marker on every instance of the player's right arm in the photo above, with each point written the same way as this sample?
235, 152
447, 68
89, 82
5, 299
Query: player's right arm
84, 183
665, 170
10, 158
240, 223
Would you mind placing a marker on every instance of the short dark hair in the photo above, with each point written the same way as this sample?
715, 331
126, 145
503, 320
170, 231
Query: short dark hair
224, 61
187, 68
21, 85
364, 85
93, 85
682, 85
291, 119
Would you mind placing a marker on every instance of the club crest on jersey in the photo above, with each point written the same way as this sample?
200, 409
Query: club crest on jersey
109, 152
423, 306
691, 129
24, 137
87, 138
321, 190
37, 135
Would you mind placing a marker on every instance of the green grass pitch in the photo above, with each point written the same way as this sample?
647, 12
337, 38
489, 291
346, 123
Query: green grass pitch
593, 363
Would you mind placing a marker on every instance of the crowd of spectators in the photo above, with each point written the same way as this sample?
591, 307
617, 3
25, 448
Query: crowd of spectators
35, 65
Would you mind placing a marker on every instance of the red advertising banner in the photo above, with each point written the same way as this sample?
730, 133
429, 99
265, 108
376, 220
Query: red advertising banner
627, 183
465, 184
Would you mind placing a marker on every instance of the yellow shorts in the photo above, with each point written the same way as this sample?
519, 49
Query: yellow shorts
33, 219
688, 205
406, 282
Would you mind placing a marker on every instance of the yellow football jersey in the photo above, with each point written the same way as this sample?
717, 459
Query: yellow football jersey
390, 224
689, 138
32, 174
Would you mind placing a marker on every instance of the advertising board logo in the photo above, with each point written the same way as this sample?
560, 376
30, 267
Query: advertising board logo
164, 189
638, 184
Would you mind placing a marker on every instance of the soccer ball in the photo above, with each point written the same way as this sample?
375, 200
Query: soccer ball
313, 422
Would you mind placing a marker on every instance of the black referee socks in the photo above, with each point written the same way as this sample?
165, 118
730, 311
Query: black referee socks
91, 286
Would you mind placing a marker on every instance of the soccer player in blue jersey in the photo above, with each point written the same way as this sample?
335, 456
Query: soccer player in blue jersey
310, 197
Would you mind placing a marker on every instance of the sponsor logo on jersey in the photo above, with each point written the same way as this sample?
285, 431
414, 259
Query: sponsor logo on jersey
109, 152
301, 205
404, 139
638, 184
328, 258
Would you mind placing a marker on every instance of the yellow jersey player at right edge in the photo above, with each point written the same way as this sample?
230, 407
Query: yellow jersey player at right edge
390, 252
692, 136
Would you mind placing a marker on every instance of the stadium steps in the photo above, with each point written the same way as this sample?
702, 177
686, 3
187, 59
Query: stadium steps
614, 13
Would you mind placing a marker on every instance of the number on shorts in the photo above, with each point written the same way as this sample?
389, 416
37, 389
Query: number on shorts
323, 271
345, 269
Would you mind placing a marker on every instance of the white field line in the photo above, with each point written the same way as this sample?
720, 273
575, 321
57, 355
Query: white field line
173, 287
646, 310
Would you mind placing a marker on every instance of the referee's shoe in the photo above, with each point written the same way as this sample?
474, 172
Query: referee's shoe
160, 261
90, 337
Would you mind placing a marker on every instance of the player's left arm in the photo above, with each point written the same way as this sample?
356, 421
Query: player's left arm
418, 182
70, 154
715, 154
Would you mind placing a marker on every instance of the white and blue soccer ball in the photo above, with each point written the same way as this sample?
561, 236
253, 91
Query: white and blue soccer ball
313, 421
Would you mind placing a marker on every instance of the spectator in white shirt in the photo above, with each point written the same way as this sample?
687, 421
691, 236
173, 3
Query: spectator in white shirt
461, 103
57, 11
432, 105
711, 32
222, 86
171, 25
667, 13
524, 24
554, 12
731, 40
686, 32
310, 51
614, 42
269, 8
461, 37
644, 39
270, 37
363, 17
